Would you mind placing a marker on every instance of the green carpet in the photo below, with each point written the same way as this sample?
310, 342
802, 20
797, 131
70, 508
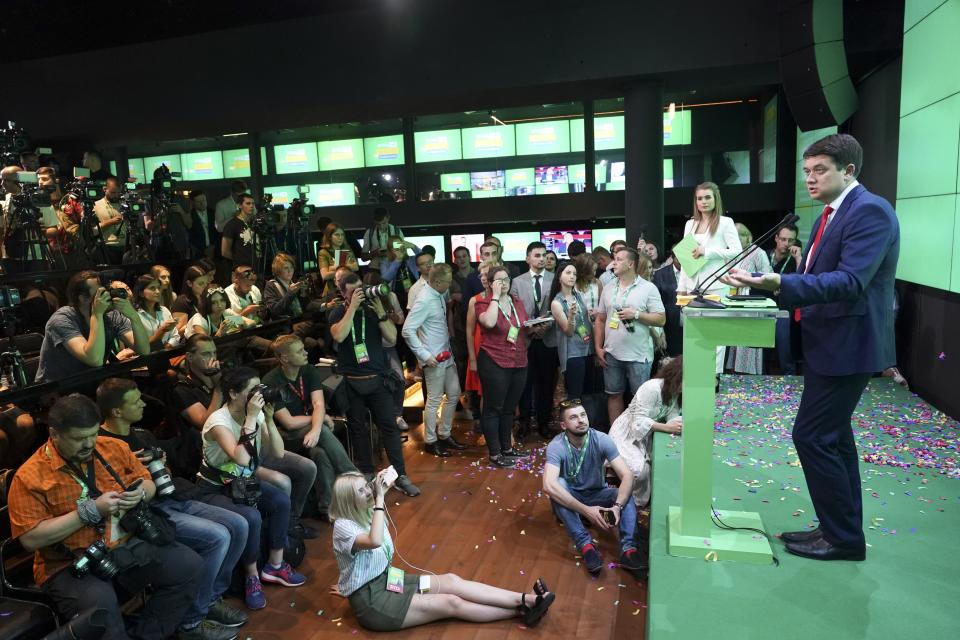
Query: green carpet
909, 585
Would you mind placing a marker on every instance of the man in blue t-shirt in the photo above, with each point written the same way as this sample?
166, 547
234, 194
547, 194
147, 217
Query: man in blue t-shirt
573, 478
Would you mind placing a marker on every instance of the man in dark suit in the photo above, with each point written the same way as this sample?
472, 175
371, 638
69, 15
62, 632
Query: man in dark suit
843, 294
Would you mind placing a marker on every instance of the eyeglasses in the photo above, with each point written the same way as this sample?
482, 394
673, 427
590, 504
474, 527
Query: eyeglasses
250, 275
501, 279
213, 290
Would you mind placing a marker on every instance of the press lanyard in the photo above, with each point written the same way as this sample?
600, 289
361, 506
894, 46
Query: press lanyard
578, 460
301, 393
626, 294
513, 309
353, 330
786, 261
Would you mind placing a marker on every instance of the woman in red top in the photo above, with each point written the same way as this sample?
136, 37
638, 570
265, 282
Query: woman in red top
502, 364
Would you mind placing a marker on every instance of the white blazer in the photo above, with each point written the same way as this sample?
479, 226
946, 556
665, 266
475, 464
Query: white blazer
717, 249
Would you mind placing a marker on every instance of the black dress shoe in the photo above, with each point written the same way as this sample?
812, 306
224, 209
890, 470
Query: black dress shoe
801, 536
436, 449
820, 549
451, 443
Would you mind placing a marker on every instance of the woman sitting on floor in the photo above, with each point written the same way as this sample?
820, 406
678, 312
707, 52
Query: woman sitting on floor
364, 550
655, 407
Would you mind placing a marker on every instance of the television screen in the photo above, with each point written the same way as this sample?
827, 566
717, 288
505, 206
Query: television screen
454, 182
331, 194
202, 166
558, 241
520, 177
547, 189
615, 186
577, 173
486, 180
488, 142
340, 154
236, 163
607, 133
667, 173
296, 158
543, 137
677, 129
283, 195
434, 146
471, 241
489, 193
551, 175
135, 169
383, 151
515, 244
603, 237
150, 165
618, 171
437, 242
527, 190
263, 162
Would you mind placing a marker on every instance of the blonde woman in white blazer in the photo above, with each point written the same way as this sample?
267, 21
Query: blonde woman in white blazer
717, 241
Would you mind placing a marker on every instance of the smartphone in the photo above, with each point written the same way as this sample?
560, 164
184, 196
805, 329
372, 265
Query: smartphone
397, 245
424, 584
609, 517
390, 476
134, 485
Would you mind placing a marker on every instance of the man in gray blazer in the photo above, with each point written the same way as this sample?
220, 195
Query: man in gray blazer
533, 289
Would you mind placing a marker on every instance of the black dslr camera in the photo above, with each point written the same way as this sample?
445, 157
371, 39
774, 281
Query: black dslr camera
115, 292
271, 395
95, 560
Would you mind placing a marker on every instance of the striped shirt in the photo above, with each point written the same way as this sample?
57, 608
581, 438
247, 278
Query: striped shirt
357, 569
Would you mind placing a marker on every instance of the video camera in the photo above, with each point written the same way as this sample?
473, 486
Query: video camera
163, 183
26, 205
13, 141
265, 219
132, 204
299, 210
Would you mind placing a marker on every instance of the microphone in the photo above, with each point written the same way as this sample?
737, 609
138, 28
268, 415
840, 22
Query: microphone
699, 302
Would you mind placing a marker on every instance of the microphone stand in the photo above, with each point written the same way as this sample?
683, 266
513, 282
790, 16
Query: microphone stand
699, 302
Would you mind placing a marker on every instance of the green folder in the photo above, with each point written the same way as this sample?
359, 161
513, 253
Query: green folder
682, 250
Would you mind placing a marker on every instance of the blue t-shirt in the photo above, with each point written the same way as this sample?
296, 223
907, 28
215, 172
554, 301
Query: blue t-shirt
599, 450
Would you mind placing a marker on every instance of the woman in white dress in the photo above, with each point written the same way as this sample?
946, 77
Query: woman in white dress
749, 359
655, 407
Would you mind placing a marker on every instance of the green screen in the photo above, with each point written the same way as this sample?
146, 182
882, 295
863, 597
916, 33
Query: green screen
383, 151
607, 133
283, 195
236, 163
454, 182
341, 154
202, 166
151, 164
488, 142
577, 173
434, 146
519, 177
332, 194
135, 169
603, 237
489, 193
544, 189
296, 158
543, 137
677, 130
515, 244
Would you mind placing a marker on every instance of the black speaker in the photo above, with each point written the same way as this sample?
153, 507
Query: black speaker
813, 63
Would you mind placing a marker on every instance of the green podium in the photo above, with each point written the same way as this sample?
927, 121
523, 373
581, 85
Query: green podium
691, 531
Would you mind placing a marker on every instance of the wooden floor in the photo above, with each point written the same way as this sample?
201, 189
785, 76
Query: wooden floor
485, 524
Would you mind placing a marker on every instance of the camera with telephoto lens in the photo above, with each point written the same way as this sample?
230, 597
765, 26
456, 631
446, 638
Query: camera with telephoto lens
373, 291
95, 560
271, 395
115, 292
143, 525
161, 477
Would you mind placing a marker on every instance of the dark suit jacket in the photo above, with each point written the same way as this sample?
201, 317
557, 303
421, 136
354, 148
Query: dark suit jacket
846, 295
665, 280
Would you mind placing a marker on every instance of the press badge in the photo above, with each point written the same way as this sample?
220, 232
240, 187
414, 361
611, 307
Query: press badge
407, 284
395, 580
614, 322
582, 332
512, 334
360, 351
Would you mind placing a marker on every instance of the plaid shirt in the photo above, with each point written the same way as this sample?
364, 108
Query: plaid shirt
45, 487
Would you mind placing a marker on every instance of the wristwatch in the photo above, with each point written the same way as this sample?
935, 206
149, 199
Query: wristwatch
618, 505
636, 314
382, 318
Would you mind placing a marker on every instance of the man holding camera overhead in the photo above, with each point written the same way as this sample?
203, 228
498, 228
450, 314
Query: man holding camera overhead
93, 327
67, 503
358, 327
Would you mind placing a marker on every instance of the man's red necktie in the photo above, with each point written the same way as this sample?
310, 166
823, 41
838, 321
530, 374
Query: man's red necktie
827, 210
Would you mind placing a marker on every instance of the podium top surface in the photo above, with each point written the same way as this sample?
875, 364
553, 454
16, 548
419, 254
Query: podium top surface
736, 312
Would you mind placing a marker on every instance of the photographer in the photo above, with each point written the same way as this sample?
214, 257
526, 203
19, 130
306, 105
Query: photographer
358, 328
65, 502
285, 298
238, 244
93, 327
195, 395
398, 269
94, 161
234, 439
218, 536
302, 416
111, 220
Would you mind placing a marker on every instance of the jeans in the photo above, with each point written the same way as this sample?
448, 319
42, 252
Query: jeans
373, 395
296, 477
274, 507
578, 373
597, 498
218, 536
174, 576
443, 389
328, 455
501, 392
537, 398
620, 376
788, 366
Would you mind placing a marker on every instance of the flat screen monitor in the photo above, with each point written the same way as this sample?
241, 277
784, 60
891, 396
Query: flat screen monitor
436, 146
383, 151
332, 194
603, 237
489, 193
236, 163
548, 189
486, 180
135, 169
607, 133
451, 182
202, 166
535, 138
296, 158
263, 162
618, 172
578, 173
282, 195
152, 163
527, 190
335, 155
552, 175
437, 242
558, 241
520, 177
494, 141
515, 244
677, 130
471, 241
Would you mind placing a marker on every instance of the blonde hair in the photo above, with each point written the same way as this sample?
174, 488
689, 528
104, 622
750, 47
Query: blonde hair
281, 259
717, 208
347, 502
283, 342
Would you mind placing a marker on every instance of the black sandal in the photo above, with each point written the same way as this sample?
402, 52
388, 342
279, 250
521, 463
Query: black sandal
533, 615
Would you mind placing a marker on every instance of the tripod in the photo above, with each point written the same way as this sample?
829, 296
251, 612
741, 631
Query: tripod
137, 250
12, 366
92, 238
264, 250
33, 244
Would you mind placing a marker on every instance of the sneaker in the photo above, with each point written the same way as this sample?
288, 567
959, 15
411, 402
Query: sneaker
513, 454
253, 593
226, 615
591, 558
402, 424
501, 461
207, 630
284, 574
632, 561
403, 484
